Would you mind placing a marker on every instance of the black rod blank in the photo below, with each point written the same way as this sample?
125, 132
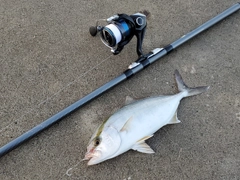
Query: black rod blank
139, 66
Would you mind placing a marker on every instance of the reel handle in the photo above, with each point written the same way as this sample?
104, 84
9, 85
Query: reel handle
140, 35
140, 21
93, 30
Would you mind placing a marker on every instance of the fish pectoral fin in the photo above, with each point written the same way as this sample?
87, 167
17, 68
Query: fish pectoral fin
175, 119
143, 147
127, 124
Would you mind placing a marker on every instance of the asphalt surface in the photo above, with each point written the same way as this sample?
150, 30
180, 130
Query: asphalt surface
49, 60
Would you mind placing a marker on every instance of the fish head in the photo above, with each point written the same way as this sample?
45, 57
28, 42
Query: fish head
103, 146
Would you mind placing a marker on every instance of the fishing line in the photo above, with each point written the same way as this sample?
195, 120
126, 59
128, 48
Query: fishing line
55, 94
67, 172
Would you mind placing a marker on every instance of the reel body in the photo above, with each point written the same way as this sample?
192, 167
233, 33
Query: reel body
120, 30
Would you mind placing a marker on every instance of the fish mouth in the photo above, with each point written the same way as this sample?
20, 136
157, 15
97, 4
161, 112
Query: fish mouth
92, 155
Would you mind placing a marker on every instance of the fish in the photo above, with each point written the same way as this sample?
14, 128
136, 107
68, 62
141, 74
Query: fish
129, 127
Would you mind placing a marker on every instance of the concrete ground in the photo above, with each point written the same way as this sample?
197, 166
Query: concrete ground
49, 60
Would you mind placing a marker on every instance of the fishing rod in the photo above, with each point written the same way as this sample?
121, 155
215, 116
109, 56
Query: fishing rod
116, 34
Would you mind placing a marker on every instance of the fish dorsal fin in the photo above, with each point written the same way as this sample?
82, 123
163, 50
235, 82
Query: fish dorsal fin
141, 146
129, 100
127, 124
175, 119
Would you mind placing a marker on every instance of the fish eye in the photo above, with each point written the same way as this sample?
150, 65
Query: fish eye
97, 142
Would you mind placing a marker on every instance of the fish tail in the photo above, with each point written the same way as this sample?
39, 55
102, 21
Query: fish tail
182, 87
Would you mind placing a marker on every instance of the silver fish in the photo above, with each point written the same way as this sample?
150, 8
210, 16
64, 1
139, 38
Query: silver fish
130, 126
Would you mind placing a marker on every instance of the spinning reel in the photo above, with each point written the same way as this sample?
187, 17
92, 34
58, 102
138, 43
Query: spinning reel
120, 30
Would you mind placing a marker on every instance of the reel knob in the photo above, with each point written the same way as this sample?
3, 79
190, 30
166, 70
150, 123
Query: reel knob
93, 30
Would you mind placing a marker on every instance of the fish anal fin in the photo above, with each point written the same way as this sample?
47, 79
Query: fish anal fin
174, 119
127, 124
